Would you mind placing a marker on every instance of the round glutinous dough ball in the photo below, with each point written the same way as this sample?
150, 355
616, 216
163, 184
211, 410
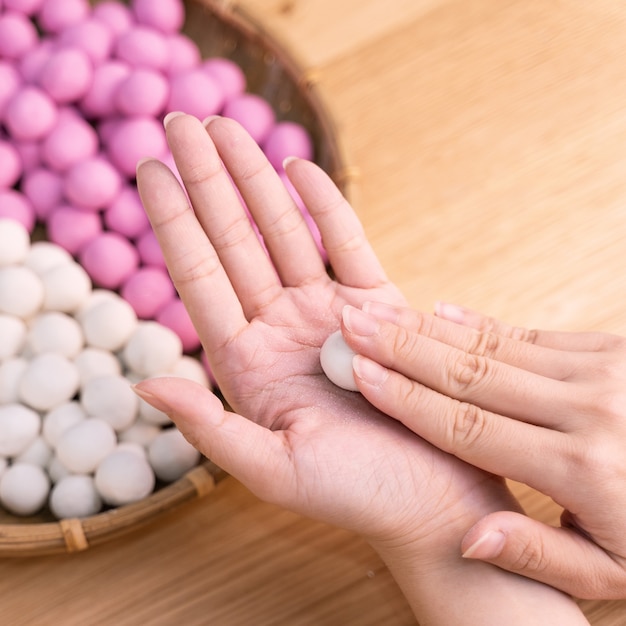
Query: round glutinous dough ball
73, 228
126, 214
53, 331
18, 35
94, 362
151, 415
37, 453
124, 477
98, 102
72, 140
4, 463
109, 259
82, 447
171, 455
12, 335
253, 112
148, 290
11, 372
92, 183
115, 15
190, 368
59, 419
143, 92
336, 360
11, 166
287, 139
140, 433
66, 288
24, 488
195, 92
109, 324
91, 36
49, 380
44, 190
152, 349
167, 16
174, 315
111, 399
15, 205
75, 496
14, 241
141, 46
21, 291
30, 114
19, 427
55, 16
44, 255
56, 469
229, 75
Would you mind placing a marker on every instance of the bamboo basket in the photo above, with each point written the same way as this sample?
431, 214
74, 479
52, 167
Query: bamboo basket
220, 28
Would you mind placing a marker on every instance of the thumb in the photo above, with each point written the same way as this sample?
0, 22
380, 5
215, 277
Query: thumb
558, 556
251, 453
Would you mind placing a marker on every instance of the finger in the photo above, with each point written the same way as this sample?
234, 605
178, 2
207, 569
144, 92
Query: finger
350, 255
558, 340
221, 214
528, 356
494, 443
284, 230
493, 385
251, 453
194, 267
560, 557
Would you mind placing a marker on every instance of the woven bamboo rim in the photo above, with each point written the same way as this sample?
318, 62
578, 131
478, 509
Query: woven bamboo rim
220, 28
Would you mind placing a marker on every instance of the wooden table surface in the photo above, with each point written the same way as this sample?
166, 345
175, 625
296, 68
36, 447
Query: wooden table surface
490, 137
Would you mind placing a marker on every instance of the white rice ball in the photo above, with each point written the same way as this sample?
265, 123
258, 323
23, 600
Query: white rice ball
336, 361
11, 371
152, 349
94, 362
44, 255
56, 469
190, 368
171, 455
12, 335
111, 399
53, 331
75, 496
82, 447
19, 427
37, 453
66, 287
14, 242
108, 324
21, 291
24, 488
4, 463
59, 419
140, 433
49, 380
124, 477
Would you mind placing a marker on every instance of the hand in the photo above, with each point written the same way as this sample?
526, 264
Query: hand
544, 408
303, 443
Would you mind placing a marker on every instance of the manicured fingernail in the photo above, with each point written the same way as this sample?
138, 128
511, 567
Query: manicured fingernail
369, 371
358, 322
170, 116
151, 399
450, 312
382, 311
488, 546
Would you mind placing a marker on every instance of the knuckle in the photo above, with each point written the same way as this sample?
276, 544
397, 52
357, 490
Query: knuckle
525, 335
529, 556
485, 344
467, 426
467, 372
403, 344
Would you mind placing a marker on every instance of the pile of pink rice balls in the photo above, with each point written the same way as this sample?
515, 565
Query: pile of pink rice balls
84, 88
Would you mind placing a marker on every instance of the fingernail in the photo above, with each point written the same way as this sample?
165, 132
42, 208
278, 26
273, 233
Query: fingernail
382, 311
450, 312
151, 399
288, 160
170, 116
369, 371
488, 546
358, 322
207, 120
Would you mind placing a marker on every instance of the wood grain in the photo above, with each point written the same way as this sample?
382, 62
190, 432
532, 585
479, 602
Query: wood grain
490, 138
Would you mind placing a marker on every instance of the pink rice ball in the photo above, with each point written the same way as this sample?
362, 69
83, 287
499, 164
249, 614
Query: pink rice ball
32, 62
54, 16
92, 184
196, 93
71, 141
67, 75
126, 214
30, 154
107, 77
184, 54
148, 290
44, 190
174, 316
18, 35
10, 82
30, 114
92, 36
228, 74
27, 7
149, 250
113, 14
253, 112
287, 139
133, 139
109, 259
15, 205
167, 16
72, 228
143, 92
141, 46
10, 164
